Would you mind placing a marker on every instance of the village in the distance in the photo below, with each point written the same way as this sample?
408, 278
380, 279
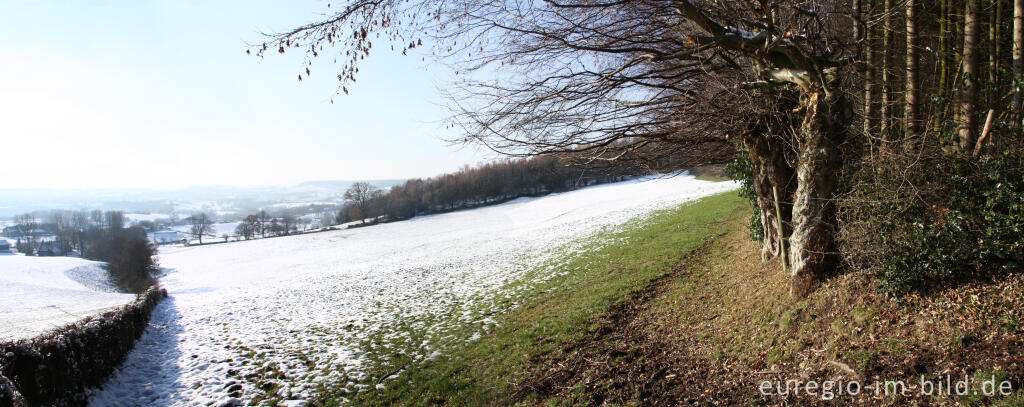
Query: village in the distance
186, 216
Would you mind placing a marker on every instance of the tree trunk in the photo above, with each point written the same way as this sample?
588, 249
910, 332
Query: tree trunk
812, 242
869, 72
944, 50
969, 89
856, 4
770, 169
994, 50
910, 105
885, 111
1018, 61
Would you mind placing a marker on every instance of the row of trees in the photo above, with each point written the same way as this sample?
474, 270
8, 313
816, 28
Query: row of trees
946, 67
262, 224
475, 186
836, 103
96, 235
71, 230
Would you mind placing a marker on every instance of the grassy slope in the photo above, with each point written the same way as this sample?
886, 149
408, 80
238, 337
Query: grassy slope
728, 323
562, 309
712, 330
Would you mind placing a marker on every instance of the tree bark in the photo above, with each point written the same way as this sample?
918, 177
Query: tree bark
869, 74
884, 125
770, 169
994, 49
856, 4
944, 50
966, 123
812, 242
1018, 61
910, 104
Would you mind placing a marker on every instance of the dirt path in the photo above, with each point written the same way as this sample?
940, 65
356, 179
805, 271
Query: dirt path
675, 341
633, 358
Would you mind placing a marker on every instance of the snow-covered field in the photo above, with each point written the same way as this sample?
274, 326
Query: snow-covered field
38, 294
284, 315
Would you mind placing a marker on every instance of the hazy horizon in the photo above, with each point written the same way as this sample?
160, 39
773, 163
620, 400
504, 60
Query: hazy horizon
189, 199
202, 186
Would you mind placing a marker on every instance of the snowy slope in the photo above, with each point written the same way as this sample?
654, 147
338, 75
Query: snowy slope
306, 304
42, 293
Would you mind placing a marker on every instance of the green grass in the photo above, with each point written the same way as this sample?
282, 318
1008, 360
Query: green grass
550, 314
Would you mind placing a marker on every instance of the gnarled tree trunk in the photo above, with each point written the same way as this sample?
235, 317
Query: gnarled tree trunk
812, 242
770, 169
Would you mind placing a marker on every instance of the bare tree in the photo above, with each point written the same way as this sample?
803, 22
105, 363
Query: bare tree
263, 223
610, 79
114, 220
288, 223
243, 230
201, 225
359, 196
248, 227
27, 226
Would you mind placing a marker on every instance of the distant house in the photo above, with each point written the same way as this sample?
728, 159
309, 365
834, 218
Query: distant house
5, 246
12, 231
50, 248
165, 237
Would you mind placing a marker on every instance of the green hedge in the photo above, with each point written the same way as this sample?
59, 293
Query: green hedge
972, 227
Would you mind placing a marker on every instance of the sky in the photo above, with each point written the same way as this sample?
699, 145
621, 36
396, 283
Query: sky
161, 94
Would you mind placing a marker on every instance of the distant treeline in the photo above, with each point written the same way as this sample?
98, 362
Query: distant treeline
476, 186
469, 187
95, 235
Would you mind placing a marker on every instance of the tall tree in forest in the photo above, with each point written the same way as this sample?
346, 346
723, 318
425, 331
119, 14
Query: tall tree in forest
869, 67
885, 119
910, 92
1018, 62
966, 125
994, 40
943, 35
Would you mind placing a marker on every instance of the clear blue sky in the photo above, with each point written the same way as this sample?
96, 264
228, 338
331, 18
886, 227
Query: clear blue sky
161, 94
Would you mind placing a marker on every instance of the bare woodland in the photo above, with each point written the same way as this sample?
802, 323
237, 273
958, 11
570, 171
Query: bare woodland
836, 103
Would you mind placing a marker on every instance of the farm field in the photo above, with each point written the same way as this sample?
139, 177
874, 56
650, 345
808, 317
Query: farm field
43, 293
279, 319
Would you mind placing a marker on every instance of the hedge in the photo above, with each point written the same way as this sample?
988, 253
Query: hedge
54, 369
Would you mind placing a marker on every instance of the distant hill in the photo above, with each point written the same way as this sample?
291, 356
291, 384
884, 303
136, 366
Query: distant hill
219, 198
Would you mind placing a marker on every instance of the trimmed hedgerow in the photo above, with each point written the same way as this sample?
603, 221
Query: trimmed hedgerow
56, 368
